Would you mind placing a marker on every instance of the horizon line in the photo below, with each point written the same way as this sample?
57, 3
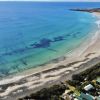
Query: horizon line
43, 1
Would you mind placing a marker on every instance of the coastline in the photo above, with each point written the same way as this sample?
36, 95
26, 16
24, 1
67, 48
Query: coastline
53, 71
81, 51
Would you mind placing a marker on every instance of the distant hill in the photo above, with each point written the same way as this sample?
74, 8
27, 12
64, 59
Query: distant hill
87, 10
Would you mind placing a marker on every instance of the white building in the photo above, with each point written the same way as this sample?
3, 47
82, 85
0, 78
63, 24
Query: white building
88, 87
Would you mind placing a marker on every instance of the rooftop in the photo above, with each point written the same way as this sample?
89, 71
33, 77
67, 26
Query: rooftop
88, 87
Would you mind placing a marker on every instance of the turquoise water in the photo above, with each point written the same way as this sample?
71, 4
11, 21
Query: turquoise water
32, 34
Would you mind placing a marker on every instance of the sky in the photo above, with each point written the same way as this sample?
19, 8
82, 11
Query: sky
56, 0
66, 0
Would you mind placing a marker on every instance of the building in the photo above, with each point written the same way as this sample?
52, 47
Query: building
85, 97
88, 87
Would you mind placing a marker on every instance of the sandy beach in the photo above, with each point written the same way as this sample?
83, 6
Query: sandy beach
57, 70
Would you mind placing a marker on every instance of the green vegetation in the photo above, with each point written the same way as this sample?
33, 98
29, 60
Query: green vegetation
51, 93
76, 86
88, 74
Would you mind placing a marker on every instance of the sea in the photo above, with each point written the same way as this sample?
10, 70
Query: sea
34, 33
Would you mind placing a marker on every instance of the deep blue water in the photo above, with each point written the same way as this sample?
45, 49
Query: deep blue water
34, 33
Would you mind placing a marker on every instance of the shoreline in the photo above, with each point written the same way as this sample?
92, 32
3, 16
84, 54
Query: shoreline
53, 71
70, 56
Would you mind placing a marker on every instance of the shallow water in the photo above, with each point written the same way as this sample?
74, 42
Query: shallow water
35, 33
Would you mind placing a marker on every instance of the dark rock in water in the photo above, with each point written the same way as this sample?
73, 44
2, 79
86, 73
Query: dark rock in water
37, 45
24, 62
33, 44
59, 38
17, 51
45, 40
15, 66
76, 34
4, 72
52, 50
43, 43
68, 35
7, 53
21, 50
